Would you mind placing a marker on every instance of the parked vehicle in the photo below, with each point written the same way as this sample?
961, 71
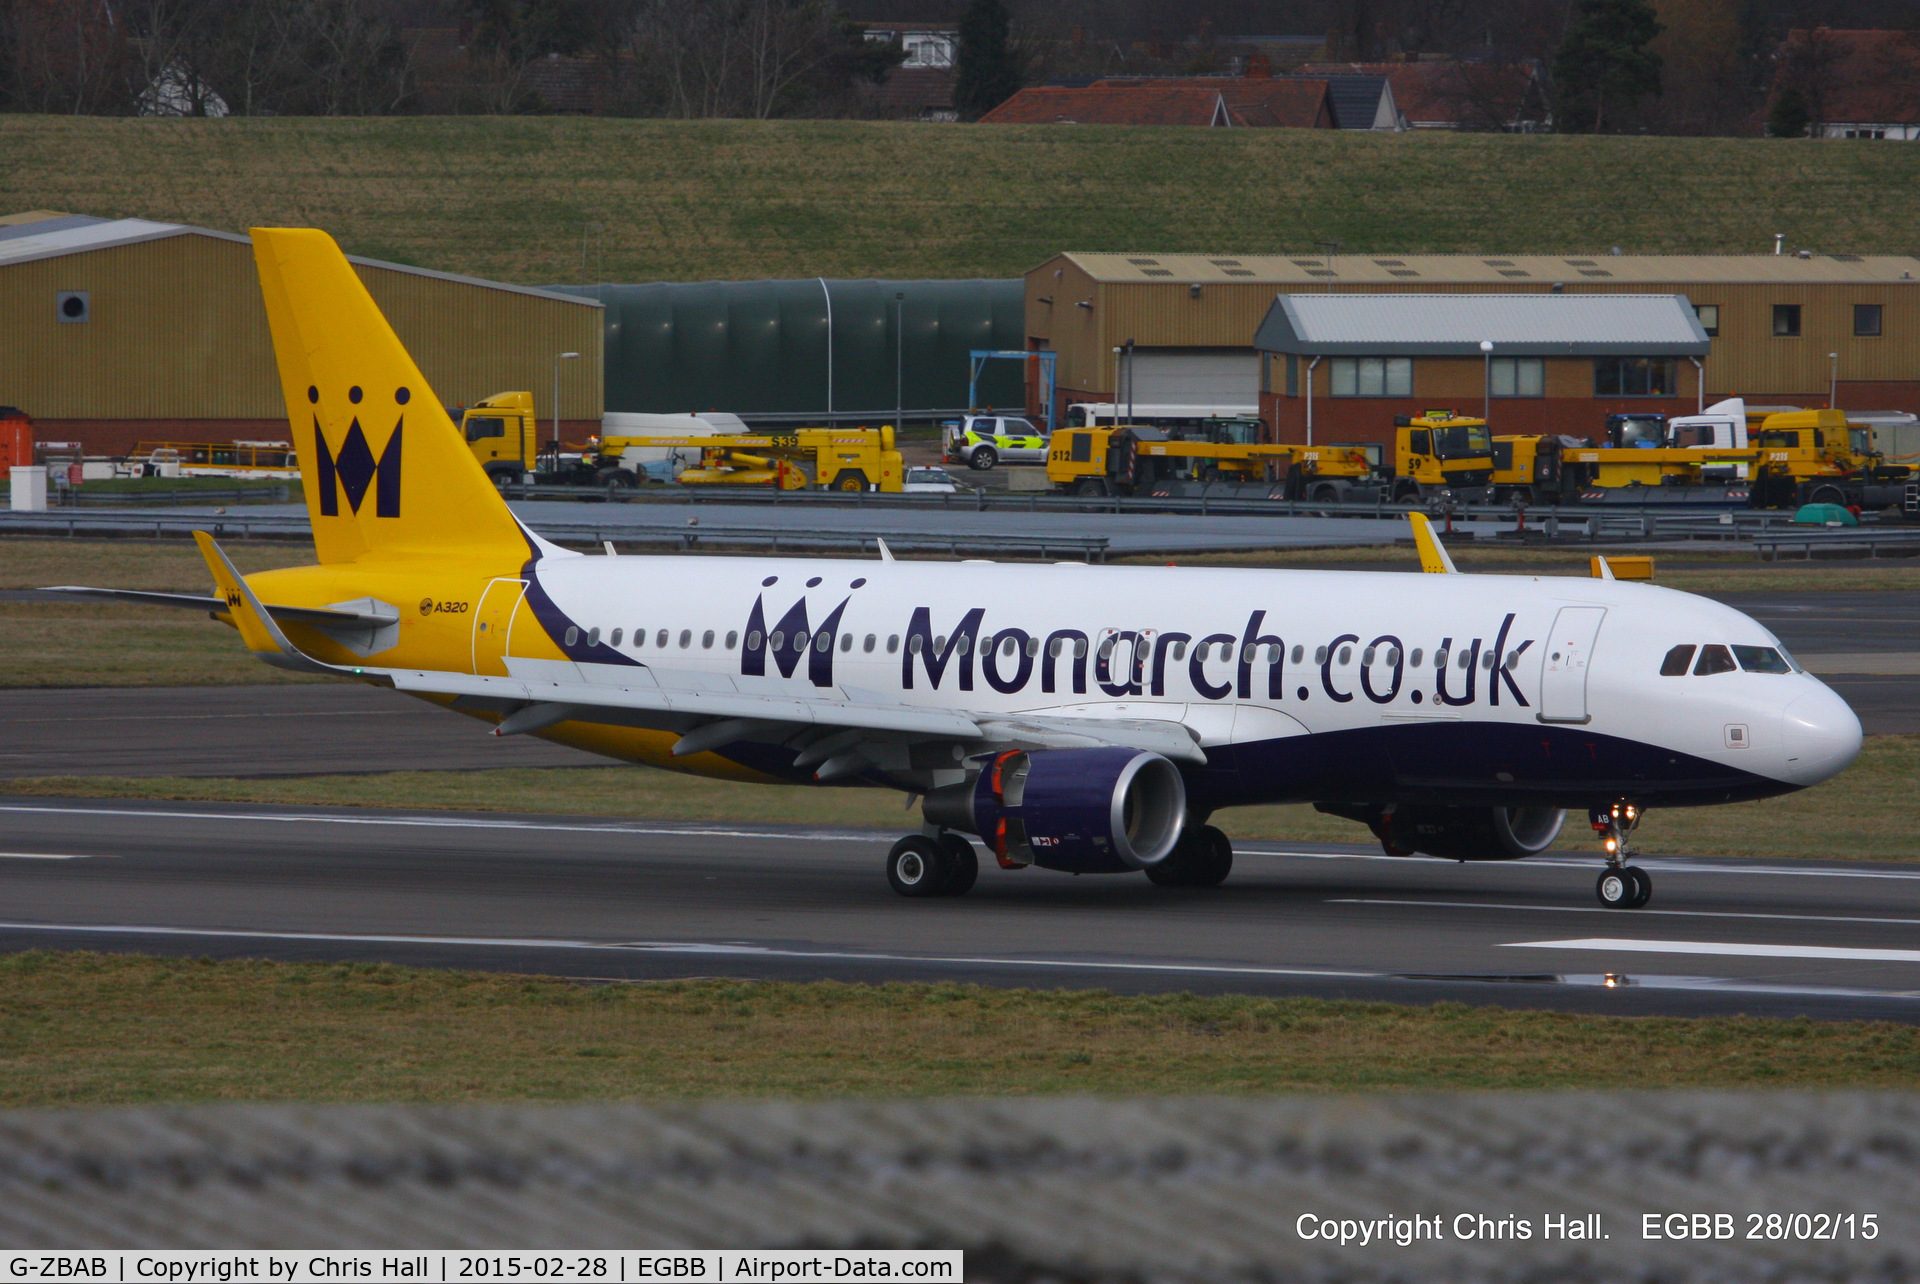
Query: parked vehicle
929, 481
982, 441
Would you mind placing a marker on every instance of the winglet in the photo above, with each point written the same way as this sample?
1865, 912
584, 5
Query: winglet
1433, 557
886, 554
1602, 570
257, 628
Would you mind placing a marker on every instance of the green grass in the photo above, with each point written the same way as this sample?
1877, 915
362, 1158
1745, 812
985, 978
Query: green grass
90, 1029
690, 200
1863, 814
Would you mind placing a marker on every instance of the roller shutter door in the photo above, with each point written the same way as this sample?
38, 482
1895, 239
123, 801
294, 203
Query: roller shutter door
1197, 377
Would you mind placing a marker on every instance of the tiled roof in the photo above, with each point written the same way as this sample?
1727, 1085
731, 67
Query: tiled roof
1522, 271
1447, 94
1107, 105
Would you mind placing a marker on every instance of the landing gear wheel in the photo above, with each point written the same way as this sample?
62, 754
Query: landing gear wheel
1642, 886
918, 866
1615, 888
983, 459
965, 862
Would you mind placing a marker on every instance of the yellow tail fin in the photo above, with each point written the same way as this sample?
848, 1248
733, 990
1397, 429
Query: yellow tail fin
386, 472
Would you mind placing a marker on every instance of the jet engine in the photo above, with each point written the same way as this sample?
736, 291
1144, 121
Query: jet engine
1087, 811
1470, 833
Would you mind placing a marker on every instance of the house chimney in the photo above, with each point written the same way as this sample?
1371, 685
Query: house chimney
1259, 67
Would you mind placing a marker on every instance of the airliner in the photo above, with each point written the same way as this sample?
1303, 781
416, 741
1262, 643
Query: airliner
1085, 719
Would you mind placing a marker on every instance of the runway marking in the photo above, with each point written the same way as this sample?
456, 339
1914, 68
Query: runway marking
1673, 865
1724, 948
456, 822
47, 856
1597, 909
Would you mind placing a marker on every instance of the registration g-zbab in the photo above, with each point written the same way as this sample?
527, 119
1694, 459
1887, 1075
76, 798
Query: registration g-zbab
1076, 718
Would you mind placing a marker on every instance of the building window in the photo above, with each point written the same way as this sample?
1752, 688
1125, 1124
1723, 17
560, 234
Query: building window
1372, 376
1866, 320
1786, 320
1633, 377
1517, 377
1709, 314
1293, 375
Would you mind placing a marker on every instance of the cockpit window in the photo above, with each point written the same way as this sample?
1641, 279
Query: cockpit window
1675, 665
1714, 659
1761, 659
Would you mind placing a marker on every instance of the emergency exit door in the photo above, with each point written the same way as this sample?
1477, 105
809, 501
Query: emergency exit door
492, 623
1565, 661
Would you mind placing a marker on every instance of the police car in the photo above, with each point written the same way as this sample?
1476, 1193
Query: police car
981, 441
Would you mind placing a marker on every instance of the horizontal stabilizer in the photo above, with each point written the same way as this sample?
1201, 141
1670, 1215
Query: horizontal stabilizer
378, 617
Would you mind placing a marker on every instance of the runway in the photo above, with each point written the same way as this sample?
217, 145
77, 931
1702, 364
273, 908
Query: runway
644, 900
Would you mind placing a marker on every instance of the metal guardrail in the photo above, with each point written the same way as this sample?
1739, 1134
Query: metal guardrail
690, 538
1809, 538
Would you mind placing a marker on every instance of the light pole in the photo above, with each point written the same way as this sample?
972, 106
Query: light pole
558, 357
1486, 398
1833, 381
899, 362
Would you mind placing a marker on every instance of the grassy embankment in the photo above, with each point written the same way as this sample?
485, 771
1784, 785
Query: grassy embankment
510, 198
88, 1029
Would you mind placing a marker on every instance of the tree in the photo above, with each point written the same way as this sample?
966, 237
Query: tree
1603, 65
986, 73
1790, 116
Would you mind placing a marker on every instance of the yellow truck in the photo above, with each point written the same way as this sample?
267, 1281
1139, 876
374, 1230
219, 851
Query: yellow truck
843, 459
1439, 454
503, 435
1137, 460
1817, 457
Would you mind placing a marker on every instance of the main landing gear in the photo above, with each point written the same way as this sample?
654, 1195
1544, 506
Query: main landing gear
922, 866
1202, 858
1621, 886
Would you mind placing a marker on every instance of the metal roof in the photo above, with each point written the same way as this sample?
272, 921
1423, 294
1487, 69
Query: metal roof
1513, 269
1527, 325
79, 233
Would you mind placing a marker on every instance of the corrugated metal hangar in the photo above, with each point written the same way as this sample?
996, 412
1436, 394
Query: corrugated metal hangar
1771, 322
802, 348
125, 330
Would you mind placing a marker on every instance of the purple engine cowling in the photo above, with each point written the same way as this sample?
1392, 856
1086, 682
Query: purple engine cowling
1086, 811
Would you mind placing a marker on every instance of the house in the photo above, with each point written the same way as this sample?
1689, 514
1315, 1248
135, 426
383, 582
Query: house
921, 87
1445, 94
1854, 84
1353, 101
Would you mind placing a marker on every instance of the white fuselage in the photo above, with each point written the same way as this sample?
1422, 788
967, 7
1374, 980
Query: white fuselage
1296, 683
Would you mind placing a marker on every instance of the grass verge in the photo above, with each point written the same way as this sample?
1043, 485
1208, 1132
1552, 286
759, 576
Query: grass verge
92, 1029
1862, 814
508, 197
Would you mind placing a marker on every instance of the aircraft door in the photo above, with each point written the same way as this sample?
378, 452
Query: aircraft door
491, 624
1564, 664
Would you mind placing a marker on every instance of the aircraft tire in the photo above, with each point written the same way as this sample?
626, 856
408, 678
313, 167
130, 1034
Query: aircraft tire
1615, 888
965, 862
918, 866
1642, 886
1213, 859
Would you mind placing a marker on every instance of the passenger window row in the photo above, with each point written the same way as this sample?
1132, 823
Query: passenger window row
1715, 658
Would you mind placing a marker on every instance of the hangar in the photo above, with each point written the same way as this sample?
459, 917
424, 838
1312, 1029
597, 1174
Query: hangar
1782, 329
1340, 367
122, 330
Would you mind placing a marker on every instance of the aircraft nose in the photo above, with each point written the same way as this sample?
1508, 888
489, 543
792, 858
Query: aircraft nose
1821, 736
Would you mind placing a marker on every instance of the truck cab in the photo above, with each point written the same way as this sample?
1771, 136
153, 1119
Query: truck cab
1437, 452
502, 434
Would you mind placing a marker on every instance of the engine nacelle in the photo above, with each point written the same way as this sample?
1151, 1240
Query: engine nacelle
1470, 833
1087, 811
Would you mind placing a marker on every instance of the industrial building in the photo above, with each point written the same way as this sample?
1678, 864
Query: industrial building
807, 349
126, 330
1530, 363
1780, 330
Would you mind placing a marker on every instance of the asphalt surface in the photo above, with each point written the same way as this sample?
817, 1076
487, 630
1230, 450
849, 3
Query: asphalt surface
645, 900
306, 729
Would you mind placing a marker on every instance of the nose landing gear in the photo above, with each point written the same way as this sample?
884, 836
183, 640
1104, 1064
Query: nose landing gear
1621, 886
